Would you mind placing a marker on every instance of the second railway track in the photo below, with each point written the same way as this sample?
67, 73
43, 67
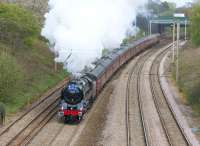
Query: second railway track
172, 129
25, 127
141, 134
136, 135
137, 128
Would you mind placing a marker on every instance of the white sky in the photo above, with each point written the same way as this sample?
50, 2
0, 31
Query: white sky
179, 2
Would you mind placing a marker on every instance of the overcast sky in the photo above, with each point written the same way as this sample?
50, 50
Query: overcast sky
179, 2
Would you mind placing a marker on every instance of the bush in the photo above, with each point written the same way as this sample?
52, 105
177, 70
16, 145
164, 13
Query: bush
26, 70
193, 95
10, 76
189, 71
17, 23
195, 20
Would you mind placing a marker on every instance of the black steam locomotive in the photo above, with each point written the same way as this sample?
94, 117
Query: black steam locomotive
79, 94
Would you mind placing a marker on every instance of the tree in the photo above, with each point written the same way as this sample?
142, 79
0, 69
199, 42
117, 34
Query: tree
195, 21
154, 9
158, 8
17, 22
10, 76
142, 22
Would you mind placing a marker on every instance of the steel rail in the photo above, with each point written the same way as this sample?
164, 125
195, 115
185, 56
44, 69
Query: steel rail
20, 137
136, 69
173, 112
31, 109
156, 102
156, 63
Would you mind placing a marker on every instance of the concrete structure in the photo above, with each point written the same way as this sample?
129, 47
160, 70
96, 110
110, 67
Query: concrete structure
177, 21
168, 21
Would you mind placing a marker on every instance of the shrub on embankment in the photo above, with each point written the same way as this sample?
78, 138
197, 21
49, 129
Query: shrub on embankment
26, 64
195, 23
10, 76
189, 81
189, 75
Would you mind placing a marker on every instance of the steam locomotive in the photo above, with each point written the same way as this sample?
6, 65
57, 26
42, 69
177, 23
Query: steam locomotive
79, 94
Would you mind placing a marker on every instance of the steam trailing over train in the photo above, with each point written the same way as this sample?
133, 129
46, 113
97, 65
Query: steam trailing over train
82, 28
79, 94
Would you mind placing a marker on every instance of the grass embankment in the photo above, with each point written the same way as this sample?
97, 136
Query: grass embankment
189, 82
26, 64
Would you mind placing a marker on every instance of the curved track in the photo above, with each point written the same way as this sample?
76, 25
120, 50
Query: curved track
132, 80
26, 127
31, 122
173, 131
170, 128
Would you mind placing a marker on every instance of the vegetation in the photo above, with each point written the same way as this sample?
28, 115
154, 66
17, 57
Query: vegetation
154, 9
38, 7
189, 69
195, 20
189, 81
26, 64
2, 113
10, 76
142, 22
158, 8
132, 38
18, 26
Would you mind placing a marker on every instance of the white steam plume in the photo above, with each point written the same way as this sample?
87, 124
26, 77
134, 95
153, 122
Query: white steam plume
80, 29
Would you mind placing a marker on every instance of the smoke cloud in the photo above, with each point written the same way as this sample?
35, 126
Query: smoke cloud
78, 30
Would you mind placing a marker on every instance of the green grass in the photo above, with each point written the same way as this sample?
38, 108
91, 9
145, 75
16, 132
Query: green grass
28, 94
27, 65
189, 82
195, 20
37, 68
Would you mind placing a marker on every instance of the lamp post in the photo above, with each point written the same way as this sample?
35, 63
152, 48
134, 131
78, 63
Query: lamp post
150, 28
185, 30
178, 16
173, 48
177, 55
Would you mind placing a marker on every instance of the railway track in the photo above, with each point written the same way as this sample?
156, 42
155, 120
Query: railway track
23, 129
29, 131
132, 80
173, 133
31, 122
